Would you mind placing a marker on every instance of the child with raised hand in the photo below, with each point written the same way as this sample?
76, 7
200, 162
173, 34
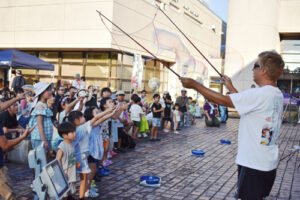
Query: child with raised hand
157, 111
105, 129
81, 143
68, 105
66, 154
136, 114
96, 149
176, 117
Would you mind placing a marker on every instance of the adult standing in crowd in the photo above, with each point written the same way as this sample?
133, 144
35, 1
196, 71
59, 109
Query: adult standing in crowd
78, 83
13, 76
183, 102
19, 81
6, 189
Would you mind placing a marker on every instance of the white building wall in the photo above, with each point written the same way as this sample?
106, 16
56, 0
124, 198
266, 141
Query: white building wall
252, 28
75, 25
289, 16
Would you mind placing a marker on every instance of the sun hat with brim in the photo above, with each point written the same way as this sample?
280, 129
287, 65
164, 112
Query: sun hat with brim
40, 87
120, 92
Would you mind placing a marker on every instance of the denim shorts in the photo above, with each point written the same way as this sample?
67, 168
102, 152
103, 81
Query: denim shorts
156, 122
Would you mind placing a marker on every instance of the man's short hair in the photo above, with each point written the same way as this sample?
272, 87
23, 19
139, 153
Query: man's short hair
273, 62
65, 128
144, 91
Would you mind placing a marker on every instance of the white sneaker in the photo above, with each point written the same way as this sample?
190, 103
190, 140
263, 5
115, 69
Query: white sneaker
166, 130
145, 135
176, 132
138, 135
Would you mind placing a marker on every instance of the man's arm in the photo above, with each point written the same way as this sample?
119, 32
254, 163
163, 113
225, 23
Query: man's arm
207, 93
12, 130
7, 145
6, 104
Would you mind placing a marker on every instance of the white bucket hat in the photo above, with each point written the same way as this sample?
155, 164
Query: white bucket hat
40, 87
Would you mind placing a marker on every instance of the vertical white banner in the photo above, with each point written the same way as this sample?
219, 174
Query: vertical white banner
137, 72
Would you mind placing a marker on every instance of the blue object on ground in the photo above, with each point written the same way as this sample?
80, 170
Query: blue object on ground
225, 141
199, 153
106, 169
151, 180
102, 172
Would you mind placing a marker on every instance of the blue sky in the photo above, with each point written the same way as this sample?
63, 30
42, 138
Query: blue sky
220, 7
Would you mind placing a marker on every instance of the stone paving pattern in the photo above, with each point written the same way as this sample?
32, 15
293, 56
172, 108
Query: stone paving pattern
185, 176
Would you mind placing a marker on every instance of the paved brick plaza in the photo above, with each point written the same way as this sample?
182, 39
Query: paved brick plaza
184, 176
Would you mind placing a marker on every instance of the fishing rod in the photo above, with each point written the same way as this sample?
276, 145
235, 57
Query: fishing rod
189, 41
161, 61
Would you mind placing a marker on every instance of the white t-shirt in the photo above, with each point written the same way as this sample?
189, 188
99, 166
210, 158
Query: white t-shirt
260, 110
78, 84
135, 111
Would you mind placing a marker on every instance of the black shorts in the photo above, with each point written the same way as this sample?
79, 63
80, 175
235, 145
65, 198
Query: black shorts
254, 184
91, 159
121, 133
167, 119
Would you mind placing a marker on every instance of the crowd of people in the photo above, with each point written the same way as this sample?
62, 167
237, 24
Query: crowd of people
84, 128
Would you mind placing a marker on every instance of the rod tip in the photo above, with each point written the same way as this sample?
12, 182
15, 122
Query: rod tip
99, 12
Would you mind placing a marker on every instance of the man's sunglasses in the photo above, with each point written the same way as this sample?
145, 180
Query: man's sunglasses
256, 65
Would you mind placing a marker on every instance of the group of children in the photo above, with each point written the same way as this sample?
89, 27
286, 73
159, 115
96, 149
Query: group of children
91, 129
161, 112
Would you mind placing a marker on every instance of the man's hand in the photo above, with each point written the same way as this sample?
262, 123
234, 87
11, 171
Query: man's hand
77, 165
228, 83
21, 96
28, 130
187, 82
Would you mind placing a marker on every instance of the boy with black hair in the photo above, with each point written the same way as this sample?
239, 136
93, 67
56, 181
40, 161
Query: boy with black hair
66, 154
157, 110
167, 112
260, 110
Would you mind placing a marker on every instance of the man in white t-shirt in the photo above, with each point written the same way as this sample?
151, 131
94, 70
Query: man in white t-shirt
260, 110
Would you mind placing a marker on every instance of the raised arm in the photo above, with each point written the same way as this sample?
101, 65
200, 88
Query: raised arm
6, 104
71, 106
207, 93
94, 121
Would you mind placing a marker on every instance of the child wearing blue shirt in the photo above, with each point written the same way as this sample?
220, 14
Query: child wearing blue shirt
81, 143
